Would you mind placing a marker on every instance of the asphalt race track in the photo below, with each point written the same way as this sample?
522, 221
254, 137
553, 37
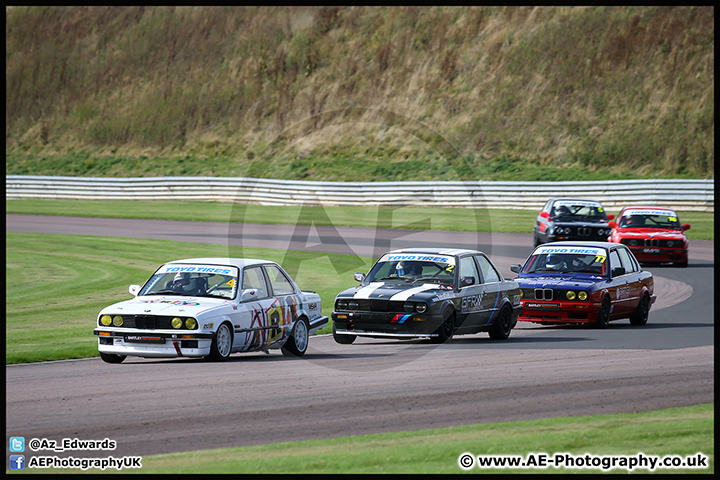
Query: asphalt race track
153, 406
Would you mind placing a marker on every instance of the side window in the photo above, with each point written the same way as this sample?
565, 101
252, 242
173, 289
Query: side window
547, 206
627, 261
468, 269
254, 278
614, 260
279, 282
489, 274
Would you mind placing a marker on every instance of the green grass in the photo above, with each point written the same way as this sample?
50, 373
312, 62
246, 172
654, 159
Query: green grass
435, 218
57, 284
677, 431
368, 92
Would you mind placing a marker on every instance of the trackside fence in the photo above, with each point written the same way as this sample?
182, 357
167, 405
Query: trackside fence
687, 195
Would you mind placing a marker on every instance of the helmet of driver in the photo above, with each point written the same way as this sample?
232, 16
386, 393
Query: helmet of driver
553, 262
185, 281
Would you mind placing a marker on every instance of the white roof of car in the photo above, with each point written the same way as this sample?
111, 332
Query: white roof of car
436, 251
237, 262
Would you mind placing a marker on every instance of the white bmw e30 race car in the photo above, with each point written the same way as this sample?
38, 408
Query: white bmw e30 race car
211, 307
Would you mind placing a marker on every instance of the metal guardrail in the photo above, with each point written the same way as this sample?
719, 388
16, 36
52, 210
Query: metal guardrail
694, 195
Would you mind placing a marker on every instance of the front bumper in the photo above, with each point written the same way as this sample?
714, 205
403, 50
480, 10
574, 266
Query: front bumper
384, 324
539, 311
659, 255
153, 343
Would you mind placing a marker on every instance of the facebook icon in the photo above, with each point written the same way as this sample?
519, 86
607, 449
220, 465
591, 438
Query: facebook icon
17, 462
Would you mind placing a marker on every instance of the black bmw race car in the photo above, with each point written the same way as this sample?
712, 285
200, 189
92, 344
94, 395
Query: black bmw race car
428, 292
571, 219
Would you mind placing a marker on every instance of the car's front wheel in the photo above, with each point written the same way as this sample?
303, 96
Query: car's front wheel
222, 343
112, 358
447, 328
640, 315
297, 344
343, 338
603, 319
500, 330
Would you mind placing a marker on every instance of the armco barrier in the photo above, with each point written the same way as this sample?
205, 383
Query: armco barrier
697, 195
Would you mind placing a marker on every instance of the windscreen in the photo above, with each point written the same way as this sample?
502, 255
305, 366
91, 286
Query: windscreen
548, 259
193, 280
578, 210
649, 218
413, 268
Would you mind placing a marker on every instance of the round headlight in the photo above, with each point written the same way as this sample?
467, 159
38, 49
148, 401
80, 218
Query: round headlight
421, 307
353, 305
106, 320
670, 243
408, 306
570, 295
582, 295
117, 320
342, 304
176, 322
191, 323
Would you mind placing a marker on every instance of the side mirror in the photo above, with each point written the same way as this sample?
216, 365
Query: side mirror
249, 295
617, 271
686, 227
465, 281
134, 289
612, 224
359, 277
515, 267
611, 216
545, 214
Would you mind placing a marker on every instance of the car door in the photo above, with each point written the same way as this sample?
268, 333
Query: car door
632, 279
620, 288
472, 294
283, 309
491, 281
252, 334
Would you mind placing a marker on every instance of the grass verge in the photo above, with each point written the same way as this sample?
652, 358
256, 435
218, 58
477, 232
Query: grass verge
682, 432
435, 218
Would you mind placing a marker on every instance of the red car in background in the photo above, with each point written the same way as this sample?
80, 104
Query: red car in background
653, 234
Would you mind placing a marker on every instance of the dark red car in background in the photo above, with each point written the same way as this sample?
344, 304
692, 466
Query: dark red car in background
653, 234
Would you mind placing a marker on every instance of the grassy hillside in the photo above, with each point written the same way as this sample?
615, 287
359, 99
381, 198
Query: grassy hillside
361, 93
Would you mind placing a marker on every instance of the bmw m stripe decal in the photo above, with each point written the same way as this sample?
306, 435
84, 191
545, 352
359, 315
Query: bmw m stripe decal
400, 318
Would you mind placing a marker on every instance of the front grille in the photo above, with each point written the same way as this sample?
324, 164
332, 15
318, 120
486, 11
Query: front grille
146, 322
373, 305
584, 231
651, 243
543, 294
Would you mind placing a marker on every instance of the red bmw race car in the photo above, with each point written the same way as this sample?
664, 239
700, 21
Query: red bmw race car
653, 234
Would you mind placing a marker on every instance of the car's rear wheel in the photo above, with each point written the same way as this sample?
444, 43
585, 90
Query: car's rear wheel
222, 343
297, 344
112, 358
446, 330
343, 338
500, 330
640, 315
603, 319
